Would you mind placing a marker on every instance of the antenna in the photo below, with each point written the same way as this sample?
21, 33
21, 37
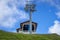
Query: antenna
30, 7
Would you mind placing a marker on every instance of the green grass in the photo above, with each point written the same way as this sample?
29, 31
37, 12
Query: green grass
16, 36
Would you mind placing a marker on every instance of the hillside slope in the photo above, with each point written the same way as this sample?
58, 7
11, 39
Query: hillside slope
17, 36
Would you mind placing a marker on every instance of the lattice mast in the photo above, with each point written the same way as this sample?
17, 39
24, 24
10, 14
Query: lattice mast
30, 7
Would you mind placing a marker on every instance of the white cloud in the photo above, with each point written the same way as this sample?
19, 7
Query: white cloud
9, 23
55, 28
9, 14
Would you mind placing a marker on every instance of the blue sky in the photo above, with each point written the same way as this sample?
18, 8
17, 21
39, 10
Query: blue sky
47, 15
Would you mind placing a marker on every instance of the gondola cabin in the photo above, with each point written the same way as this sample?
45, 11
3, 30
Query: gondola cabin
25, 27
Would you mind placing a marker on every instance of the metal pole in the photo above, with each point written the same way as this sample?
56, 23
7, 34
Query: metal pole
30, 8
30, 22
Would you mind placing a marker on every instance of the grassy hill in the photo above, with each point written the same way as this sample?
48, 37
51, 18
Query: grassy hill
16, 36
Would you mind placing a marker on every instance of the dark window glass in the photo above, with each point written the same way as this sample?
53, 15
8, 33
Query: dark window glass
32, 27
26, 28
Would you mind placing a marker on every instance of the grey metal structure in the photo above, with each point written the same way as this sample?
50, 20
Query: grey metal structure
30, 7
